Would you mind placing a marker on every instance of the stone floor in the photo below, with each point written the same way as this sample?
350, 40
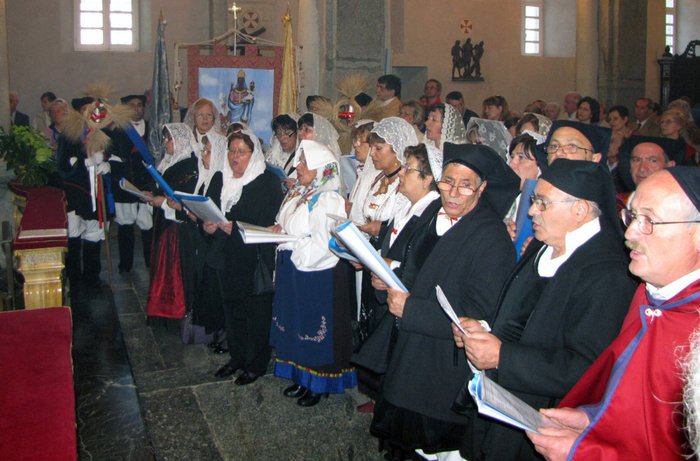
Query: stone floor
143, 395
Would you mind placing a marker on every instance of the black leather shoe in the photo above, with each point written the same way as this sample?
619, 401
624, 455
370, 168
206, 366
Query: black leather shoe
310, 399
246, 378
226, 371
295, 391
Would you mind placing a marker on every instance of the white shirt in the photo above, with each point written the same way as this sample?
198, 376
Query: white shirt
672, 289
311, 253
140, 127
548, 266
444, 222
388, 101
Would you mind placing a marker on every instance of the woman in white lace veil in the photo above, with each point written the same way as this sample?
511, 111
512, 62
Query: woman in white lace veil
533, 122
203, 118
444, 124
492, 133
388, 141
366, 170
317, 128
183, 145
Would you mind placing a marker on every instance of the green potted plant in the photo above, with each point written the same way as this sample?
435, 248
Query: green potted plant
28, 153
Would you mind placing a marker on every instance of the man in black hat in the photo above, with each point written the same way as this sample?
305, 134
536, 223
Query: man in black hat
561, 307
627, 405
467, 251
575, 141
127, 163
79, 172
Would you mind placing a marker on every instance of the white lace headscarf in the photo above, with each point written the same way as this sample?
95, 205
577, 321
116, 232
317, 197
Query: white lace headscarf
397, 132
363, 184
276, 156
492, 133
326, 134
545, 123
183, 145
233, 187
205, 174
453, 130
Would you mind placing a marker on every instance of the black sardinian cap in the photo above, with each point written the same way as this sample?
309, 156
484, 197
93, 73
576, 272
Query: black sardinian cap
589, 181
598, 136
128, 98
674, 149
503, 185
77, 103
688, 177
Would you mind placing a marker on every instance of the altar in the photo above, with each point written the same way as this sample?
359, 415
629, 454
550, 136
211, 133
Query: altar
40, 243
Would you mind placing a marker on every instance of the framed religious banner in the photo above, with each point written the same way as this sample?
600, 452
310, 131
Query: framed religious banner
244, 88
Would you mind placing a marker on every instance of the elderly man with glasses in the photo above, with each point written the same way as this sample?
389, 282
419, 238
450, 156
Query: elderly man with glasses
560, 308
628, 404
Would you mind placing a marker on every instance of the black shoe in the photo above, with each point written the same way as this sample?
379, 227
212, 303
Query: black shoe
246, 378
220, 350
295, 391
310, 399
226, 371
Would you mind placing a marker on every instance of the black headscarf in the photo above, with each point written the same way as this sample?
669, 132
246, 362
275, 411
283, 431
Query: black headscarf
77, 103
598, 136
589, 181
688, 177
503, 185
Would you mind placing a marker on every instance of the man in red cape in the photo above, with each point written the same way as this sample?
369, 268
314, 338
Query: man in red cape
628, 404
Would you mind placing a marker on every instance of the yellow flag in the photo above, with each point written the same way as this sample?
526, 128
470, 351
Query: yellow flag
288, 85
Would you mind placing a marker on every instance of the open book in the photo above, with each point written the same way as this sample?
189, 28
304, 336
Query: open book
127, 186
357, 244
202, 207
494, 401
250, 233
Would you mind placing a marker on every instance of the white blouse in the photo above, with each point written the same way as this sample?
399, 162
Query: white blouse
311, 253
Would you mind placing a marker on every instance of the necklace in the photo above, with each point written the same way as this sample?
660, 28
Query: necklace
385, 181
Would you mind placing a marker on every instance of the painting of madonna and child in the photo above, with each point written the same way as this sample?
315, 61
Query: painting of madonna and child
241, 95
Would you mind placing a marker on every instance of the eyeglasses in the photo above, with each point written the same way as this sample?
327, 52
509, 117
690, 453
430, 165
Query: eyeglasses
205, 116
644, 223
284, 134
239, 153
446, 186
542, 204
408, 169
568, 149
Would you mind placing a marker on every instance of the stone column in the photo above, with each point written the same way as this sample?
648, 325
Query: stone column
622, 38
354, 42
587, 47
308, 38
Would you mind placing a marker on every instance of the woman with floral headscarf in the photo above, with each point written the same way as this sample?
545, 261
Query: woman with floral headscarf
311, 313
249, 194
168, 294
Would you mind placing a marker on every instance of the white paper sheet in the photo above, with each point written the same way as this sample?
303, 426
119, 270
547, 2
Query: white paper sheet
202, 207
496, 402
257, 234
358, 245
127, 186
